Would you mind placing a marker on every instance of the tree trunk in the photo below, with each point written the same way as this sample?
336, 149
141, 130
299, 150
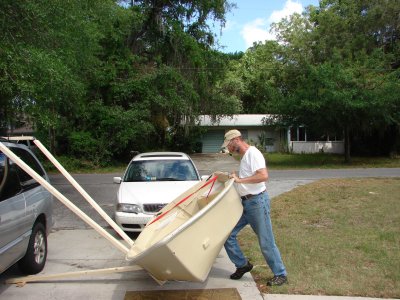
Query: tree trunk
347, 158
394, 134
52, 140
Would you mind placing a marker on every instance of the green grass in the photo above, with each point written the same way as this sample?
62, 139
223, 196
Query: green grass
336, 237
327, 161
74, 165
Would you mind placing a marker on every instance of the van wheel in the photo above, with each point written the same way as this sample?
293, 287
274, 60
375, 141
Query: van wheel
35, 258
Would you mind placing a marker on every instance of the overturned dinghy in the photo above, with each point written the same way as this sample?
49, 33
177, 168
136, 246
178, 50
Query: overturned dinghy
184, 239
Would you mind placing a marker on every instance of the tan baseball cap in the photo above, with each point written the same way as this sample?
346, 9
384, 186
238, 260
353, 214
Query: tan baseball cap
231, 134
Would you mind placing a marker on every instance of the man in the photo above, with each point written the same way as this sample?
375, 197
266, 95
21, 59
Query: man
250, 184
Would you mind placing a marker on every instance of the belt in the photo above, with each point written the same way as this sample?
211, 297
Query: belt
248, 196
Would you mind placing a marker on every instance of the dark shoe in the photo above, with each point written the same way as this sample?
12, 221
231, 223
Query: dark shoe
241, 271
277, 280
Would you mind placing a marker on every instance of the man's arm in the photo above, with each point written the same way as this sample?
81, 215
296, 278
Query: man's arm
261, 175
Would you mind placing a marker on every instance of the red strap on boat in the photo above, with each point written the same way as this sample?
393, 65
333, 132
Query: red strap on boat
212, 180
211, 187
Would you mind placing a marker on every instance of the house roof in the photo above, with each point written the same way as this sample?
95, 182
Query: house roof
234, 120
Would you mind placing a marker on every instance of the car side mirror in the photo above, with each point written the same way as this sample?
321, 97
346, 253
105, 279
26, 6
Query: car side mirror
117, 180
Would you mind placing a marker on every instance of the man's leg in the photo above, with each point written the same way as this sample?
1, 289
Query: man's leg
232, 247
258, 210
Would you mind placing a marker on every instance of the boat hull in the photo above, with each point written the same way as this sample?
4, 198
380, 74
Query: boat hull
183, 243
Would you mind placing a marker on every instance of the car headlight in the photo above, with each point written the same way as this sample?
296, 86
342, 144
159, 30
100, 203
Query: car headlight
129, 208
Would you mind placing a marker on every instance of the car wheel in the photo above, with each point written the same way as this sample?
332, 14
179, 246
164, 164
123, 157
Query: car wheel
35, 258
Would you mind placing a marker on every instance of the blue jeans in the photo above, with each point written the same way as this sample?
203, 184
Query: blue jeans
256, 212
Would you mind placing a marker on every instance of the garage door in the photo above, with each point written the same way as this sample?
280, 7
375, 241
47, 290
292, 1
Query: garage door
212, 141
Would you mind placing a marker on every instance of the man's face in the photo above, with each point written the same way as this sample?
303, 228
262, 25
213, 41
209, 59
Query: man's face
232, 147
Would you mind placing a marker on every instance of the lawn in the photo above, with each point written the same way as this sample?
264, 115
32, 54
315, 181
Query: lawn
327, 161
336, 237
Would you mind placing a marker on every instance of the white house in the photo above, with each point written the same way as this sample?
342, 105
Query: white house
251, 127
270, 137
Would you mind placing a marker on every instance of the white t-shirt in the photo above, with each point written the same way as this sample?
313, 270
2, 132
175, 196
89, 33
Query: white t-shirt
251, 161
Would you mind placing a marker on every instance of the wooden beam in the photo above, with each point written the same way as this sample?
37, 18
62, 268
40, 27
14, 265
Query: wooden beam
63, 199
83, 192
37, 278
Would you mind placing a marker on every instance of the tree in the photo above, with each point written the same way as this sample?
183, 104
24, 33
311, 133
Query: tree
49, 52
259, 70
176, 63
120, 77
344, 75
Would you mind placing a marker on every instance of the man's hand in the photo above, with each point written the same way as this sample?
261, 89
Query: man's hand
235, 177
260, 175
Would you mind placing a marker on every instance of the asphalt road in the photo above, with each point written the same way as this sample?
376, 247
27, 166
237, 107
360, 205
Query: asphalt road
102, 189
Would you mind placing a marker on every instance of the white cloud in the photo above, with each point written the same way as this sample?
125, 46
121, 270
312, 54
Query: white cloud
255, 31
289, 9
258, 29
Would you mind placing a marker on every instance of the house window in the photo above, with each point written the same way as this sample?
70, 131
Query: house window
298, 133
302, 134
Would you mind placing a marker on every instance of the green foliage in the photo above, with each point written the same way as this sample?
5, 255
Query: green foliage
49, 53
334, 69
98, 79
253, 78
83, 145
110, 132
72, 164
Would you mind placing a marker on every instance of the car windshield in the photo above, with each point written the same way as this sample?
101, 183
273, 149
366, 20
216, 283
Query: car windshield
160, 170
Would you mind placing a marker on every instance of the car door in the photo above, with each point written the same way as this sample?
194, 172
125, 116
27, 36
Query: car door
12, 212
35, 195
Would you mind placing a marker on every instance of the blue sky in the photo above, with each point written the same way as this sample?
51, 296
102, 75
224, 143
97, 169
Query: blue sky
251, 20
